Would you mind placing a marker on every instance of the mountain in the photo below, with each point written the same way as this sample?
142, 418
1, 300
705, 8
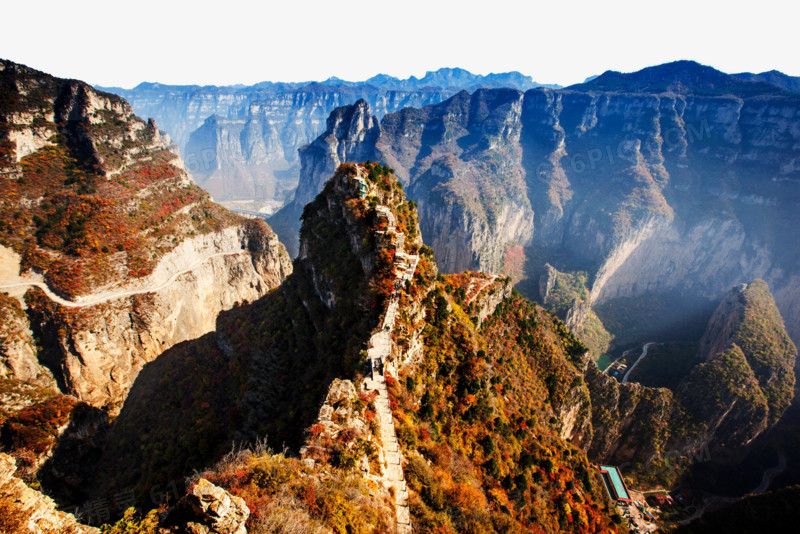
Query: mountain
682, 78
110, 254
743, 387
630, 190
789, 83
240, 142
450, 435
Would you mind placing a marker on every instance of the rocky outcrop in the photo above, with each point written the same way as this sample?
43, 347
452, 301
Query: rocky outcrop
676, 179
488, 297
24, 510
18, 351
350, 132
211, 509
133, 258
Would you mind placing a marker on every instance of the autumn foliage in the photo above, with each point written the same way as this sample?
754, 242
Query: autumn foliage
477, 423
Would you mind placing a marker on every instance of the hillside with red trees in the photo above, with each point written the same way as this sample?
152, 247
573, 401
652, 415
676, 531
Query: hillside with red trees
102, 199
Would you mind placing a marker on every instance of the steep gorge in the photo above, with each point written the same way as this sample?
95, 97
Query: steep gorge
648, 187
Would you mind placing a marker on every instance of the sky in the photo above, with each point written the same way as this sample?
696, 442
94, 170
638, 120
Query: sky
123, 43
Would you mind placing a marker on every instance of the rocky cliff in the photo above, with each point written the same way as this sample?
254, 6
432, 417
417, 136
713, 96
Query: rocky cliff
679, 178
240, 143
24, 510
109, 252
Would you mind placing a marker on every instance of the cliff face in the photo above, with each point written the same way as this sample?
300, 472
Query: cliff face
648, 191
120, 254
350, 133
241, 143
101, 349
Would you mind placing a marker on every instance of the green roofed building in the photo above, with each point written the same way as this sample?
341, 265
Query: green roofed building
615, 485
362, 187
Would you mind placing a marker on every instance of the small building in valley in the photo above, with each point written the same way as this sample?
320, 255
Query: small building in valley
615, 484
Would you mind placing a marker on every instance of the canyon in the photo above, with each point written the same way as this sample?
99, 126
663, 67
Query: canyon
240, 142
153, 340
677, 179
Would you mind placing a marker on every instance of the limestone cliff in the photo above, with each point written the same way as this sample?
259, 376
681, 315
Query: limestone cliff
24, 510
677, 179
120, 254
349, 129
241, 143
100, 349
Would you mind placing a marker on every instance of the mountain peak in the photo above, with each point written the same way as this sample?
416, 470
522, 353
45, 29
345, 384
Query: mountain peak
680, 77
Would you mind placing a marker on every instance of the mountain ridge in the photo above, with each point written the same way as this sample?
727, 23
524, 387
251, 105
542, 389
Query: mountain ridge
682, 77
98, 207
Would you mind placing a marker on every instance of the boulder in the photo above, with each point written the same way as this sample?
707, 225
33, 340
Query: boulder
215, 509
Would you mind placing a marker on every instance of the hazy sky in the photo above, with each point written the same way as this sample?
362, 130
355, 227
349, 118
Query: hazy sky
232, 41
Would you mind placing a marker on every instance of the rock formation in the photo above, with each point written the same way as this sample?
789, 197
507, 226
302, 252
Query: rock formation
25, 510
678, 178
99, 212
210, 509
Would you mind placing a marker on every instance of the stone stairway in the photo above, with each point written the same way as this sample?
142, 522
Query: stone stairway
393, 476
378, 350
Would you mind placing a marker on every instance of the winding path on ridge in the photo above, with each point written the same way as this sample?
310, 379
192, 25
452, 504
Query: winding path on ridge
640, 358
100, 298
378, 349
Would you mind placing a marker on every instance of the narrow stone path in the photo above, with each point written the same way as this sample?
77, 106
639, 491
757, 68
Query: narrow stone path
378, 350
92, 300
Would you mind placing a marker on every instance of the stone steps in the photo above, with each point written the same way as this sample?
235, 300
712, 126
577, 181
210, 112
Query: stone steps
378, 349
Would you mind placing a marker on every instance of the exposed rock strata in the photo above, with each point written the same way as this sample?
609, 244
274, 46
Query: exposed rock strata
650, 191
101, 172
242, 142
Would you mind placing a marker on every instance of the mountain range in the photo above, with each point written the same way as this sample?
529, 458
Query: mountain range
166, 367
677, 180
240, 142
